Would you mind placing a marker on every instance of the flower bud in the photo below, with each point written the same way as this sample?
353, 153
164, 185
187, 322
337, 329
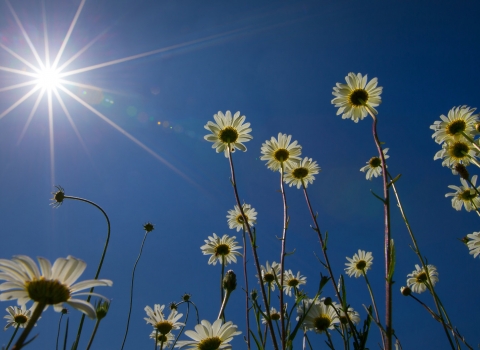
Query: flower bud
186, 297
230, 281
327, 301
406, 291
148, 227
102, 308
462, 171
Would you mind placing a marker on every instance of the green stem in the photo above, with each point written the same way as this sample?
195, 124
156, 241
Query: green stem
224, 305
374, 306
247, 308
58, 333
31, 323
97, 323
13, 336
283, 253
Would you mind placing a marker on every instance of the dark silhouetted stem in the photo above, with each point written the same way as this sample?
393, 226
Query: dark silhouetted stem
31, 323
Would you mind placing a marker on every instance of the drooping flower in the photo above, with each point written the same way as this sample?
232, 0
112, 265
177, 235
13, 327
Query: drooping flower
454, 152
319, 317
235, 219
222, 250
301, 172
292, 282
270, 273
465, 195
374, 165
279, 150
210, 337
359, 263
58, 197
460, 119
228, 130
418, 279
18, 316
474, 243
353, 98
52, 285
167, 339
157, 319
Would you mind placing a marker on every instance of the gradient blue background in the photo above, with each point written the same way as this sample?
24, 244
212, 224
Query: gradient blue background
276, 62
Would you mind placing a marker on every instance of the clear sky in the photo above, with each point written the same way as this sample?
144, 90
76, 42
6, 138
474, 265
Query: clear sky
276, 62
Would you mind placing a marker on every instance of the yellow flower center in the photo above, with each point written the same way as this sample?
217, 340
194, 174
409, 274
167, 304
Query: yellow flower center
240, 219
361, 265
358, 97
459, 150
20, 319
456, 127
300, 173
467, 195
293, 282
50, 292
281, 155
228, 135
212, 343
222, 249
322, 323
375, 162
164, 327
422, 277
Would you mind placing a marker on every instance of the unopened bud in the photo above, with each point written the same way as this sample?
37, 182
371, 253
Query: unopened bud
327, 301
254, 294
148, 227
102, 308
230, 281
406, 291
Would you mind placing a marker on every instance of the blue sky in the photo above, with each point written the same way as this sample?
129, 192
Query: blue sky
276, 62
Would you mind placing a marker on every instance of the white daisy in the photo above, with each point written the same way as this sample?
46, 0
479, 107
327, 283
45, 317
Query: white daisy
292, 282
460, 119
210, 337
353, 97
235, 218
18, 316
228, 130
157, 319
221, 249
270, 273
167, 339
374, 165
465, 195
52, 286
274, 315
454, 152
359, 263
301, 172
353, 315
280, 150
418, 278
319, 317
474, 243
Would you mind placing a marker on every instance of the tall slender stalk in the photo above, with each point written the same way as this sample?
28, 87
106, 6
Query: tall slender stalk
374, 306
282, 256
254, 251
31, 323
13, 336
247, 306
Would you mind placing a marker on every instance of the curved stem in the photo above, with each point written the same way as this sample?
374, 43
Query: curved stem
13, 336
374, 306
58, 333
31, 323
254, 252
131, 289
247, 316
80, 326
282, 256
182, 329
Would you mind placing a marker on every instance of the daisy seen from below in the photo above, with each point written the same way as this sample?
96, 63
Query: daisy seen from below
319, 317
228, 130
418, 279
374, 165
274, 315
270, 274
460, 119
353, 98
353, 315
360, 263
210, 337
17, 316
278, 151
222, 250
49, 285
235, 218
301, 172
292, 282
166, 339
465, 195
161, 324
454, 152
474, 243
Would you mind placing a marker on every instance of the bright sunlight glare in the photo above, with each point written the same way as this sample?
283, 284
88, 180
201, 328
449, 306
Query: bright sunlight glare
48, 78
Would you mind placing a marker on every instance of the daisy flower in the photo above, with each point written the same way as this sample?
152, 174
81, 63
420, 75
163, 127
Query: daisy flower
460, 119
353, 315
167, 339
228, 130
222, 250
280, 150
157, 319
235, 219
301, 172
474, 243
374, 165
359, 264
354, 97
270, 273
210, 337
290, 281
465, 195
52, 285
319, 317
418, 278
274, 315
454, 152
18, 316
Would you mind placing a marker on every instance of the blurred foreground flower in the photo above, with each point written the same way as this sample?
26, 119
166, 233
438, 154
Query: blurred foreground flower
278, 151
465, 195
460, 119
359, 263
351, 98
235, 219
290, 281
221, 249
17, 316
228, 131
374, 165
320, 317
301, 172
274, 315
474, 243
418, 279
157, 319
210, 337
52, 286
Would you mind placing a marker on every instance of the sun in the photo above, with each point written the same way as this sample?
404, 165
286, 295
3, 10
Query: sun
48, 79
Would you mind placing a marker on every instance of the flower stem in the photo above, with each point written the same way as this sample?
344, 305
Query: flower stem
31, 323
374, 306
254, 251
224, 305
283, 253
13, 336
97, 323
58, 333
247, 308
131, 289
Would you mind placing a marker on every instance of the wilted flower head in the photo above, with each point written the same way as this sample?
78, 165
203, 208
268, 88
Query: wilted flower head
280, 151
235, 218
301, 172
354, 97
148, 227
418, 279
186, 297
222, 250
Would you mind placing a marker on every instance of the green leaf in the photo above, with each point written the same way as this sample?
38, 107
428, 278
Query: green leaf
383, 201
394, 180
